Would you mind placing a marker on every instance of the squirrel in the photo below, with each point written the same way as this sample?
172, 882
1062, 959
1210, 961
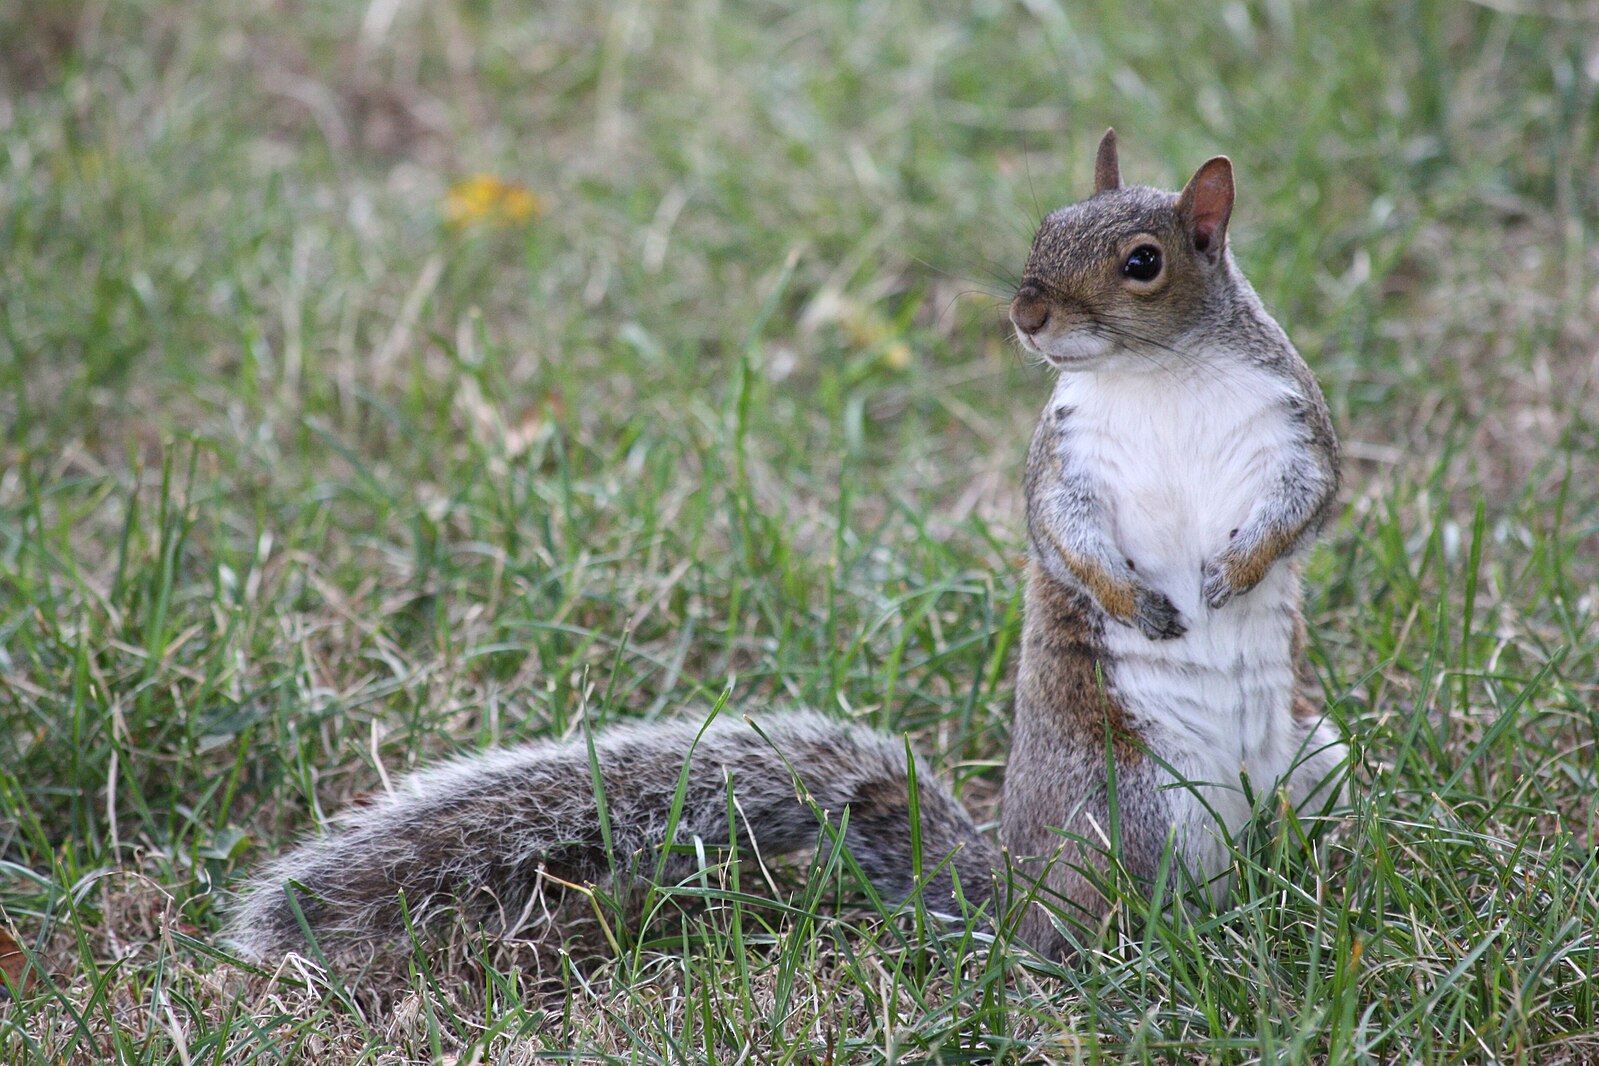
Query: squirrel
1183, 464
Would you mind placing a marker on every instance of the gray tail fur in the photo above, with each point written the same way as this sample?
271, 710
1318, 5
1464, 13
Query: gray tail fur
478, 835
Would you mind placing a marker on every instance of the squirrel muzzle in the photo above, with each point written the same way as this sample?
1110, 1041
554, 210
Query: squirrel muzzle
1029, 311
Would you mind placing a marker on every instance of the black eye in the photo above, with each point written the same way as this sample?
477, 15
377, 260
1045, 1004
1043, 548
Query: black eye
1143, 263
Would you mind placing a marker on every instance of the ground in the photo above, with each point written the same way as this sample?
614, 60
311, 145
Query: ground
388, 380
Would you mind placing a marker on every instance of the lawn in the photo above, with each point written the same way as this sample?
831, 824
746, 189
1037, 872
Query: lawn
389, 380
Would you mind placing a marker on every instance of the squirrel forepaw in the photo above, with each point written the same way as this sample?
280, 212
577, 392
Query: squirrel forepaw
1156, 618
1219, 588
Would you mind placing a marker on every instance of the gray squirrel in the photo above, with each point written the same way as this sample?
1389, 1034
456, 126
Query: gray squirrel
1183, 464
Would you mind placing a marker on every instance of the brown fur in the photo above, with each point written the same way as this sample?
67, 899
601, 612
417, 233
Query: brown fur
1118, 598
1245, 569
1069, 728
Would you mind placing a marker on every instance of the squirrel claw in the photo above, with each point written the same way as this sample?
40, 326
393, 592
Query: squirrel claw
1156, 618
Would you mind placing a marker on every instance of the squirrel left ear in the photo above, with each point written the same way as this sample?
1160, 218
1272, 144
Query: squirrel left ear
1107, 168
1206, 204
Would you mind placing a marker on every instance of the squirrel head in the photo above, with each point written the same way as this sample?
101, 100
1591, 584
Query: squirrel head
1130, 268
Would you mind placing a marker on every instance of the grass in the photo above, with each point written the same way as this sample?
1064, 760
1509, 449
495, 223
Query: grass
304, 485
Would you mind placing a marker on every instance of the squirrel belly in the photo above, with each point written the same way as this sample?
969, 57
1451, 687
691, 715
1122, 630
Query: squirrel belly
1218, 699
478, 836
1178, 457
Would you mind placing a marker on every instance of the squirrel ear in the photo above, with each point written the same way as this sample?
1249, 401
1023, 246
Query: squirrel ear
1107, 169
1206, 204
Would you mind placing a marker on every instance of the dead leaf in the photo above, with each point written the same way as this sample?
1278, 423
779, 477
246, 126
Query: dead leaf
14, 963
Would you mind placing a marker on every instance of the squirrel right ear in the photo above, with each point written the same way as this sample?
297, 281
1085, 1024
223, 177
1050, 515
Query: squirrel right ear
1206, 204
1107, 169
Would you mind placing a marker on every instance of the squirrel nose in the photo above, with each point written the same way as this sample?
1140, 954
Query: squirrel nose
1029, 311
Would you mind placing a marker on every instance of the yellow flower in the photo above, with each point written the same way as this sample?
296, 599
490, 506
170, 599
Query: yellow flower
485, 198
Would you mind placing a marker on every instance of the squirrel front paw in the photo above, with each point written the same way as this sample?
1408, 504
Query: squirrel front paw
1155, 616
1220, 586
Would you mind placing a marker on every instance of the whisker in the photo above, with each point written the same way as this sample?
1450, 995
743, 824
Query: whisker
1141, 344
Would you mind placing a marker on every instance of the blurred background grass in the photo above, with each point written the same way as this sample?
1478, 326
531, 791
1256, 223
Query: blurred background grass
384, 379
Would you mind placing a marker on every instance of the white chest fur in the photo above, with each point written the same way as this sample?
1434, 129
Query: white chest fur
1180, 459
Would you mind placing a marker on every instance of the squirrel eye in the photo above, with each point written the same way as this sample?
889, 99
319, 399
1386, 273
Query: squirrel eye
1143, 263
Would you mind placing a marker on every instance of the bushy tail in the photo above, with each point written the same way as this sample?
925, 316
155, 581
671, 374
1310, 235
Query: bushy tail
473, 836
